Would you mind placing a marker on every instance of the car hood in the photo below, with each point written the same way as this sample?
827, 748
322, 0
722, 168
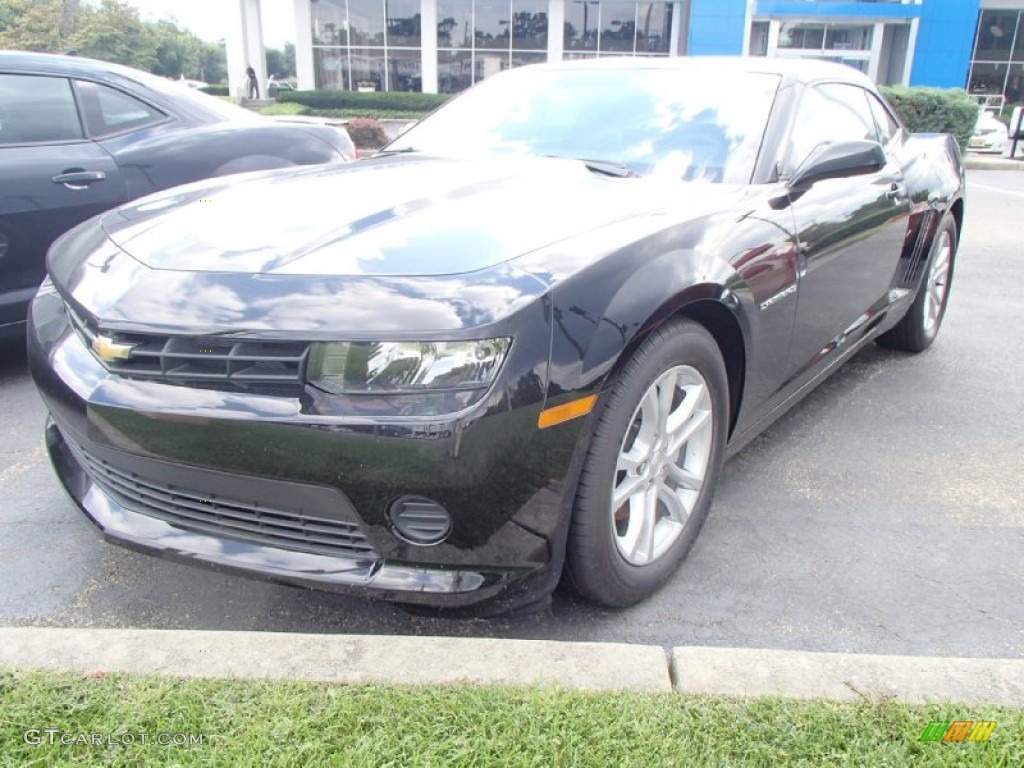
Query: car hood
390, 216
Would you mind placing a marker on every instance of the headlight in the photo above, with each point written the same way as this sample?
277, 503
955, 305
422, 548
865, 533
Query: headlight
404, 378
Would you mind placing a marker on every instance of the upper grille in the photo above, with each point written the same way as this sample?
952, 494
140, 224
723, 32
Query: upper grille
215, 362
203, 513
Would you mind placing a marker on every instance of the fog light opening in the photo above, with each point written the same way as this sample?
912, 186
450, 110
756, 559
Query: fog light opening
419, 520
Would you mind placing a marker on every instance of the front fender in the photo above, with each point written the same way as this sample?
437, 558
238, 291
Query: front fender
602, 314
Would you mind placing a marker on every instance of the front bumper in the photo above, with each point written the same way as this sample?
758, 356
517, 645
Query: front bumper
142, 532
502, 482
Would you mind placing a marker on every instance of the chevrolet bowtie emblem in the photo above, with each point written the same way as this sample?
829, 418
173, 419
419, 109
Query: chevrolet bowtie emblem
110, 350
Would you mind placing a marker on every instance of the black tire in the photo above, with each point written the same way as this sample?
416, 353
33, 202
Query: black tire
914, 332
595, 568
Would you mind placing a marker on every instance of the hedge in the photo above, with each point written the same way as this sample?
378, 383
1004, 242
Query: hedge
215, 90
934, 110
377, 100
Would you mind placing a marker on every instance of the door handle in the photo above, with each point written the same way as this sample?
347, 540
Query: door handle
897, 192
77, 179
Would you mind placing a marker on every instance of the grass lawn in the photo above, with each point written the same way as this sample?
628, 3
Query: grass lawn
245, 723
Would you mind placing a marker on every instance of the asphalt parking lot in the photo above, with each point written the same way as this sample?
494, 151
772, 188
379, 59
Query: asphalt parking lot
885, 514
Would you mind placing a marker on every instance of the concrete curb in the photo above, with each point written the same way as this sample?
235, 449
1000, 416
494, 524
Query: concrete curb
996, 163
586, 666
337, 658
846, 677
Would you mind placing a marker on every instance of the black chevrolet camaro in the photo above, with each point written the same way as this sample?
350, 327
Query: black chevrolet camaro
513, 348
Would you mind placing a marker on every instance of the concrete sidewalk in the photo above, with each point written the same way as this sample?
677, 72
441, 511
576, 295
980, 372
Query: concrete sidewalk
441, 660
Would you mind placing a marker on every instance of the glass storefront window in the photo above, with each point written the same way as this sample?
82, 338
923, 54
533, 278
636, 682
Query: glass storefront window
801, 36
330, 23
582, 18
377, 43
522, 58
368, 66
759, 38
454, 71
653, 27
825, 37
611, 26
491, 20
988, 77
366, 22
454, 24
405, 70
996, 71
530, 24
403, 23
618, 27
843, 37
367, 45
995, 35
330, 66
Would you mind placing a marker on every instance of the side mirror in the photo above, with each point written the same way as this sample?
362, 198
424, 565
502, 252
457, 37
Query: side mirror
839, 160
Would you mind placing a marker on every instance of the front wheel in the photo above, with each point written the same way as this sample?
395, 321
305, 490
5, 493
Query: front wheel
919, 327
651, 469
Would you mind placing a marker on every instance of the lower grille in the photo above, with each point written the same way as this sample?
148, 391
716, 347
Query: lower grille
193, 511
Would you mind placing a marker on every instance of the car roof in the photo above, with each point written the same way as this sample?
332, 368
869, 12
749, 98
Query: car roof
53, 63
165, 93
803, 70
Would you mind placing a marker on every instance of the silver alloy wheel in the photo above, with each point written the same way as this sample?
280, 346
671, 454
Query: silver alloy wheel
661, 465
938, 283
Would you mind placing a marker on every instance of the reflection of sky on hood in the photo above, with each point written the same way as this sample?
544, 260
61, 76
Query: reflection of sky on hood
197, 302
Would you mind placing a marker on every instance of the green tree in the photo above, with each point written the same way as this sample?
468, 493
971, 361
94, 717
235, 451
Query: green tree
281, 64
176, 50
289, 60
37, 25
213, 63
275, 62
114, 32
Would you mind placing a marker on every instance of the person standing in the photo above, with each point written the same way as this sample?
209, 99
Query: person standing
254, 86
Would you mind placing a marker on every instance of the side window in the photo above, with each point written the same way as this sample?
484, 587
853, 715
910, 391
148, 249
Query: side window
888, 127
108, 111
37, 109
829, 113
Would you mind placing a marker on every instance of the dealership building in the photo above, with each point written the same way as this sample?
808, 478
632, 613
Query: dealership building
447, 45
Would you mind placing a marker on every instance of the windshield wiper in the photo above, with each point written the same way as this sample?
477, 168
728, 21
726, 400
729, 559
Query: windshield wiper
402, 151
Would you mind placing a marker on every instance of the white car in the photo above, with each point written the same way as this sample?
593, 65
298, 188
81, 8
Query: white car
990, 134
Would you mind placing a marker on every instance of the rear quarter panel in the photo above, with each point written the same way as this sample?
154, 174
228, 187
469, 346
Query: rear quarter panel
160, 159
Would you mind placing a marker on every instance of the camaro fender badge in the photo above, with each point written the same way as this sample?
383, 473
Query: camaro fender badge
109, 350
777, 297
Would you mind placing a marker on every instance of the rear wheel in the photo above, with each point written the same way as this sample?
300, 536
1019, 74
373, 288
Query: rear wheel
919, 327
653, 463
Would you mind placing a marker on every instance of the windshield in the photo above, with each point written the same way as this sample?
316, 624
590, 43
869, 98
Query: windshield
663, 122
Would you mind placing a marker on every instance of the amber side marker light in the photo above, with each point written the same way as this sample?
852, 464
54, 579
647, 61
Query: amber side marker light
566, 412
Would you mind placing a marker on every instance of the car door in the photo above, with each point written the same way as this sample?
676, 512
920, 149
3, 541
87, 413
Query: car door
851, 230
51, 178
127, 127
